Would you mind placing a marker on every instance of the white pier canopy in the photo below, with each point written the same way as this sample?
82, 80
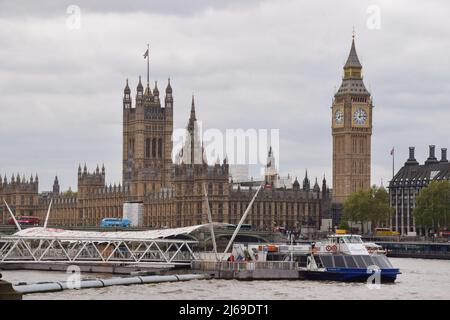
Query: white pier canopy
39, 232
47, 245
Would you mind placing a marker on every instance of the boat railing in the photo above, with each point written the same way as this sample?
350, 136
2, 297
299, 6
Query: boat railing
243, 265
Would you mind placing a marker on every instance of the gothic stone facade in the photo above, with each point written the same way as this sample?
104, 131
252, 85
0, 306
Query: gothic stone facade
172, 193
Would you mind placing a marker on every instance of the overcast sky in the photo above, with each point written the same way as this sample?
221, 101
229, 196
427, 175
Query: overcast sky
262, 64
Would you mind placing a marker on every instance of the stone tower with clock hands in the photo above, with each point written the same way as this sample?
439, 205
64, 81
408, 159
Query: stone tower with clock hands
351, 130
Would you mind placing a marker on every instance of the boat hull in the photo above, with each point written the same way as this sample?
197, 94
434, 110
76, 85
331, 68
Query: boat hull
349, 275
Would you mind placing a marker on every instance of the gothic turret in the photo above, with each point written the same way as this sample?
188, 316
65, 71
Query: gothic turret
168, 88
296, 184
56, 186
139, 90
169, 98
192, 117
316, 187
127, 97
306, 183
192, 151
156, 91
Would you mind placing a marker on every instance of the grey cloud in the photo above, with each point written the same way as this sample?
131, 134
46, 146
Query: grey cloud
170, 7
271, 64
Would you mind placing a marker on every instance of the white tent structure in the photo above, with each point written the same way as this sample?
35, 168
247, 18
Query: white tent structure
49, 233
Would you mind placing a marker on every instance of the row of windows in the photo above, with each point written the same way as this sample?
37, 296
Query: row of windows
153, 148
358, 166
23, 200
357, 185
360, 145
340, 144
267, 207
359, 99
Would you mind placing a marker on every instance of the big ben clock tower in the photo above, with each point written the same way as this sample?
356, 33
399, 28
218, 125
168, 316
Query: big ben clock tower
352, 131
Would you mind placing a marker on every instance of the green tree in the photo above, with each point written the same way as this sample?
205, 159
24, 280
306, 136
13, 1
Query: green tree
344, 224
433, 205
367, 206
70, 193
381, 211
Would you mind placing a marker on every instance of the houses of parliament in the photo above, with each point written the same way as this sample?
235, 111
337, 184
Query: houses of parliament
172, 191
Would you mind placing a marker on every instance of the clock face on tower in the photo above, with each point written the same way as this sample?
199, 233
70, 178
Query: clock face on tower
360, 116
339, 117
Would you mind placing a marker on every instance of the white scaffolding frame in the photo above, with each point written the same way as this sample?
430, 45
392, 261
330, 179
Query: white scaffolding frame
15, 249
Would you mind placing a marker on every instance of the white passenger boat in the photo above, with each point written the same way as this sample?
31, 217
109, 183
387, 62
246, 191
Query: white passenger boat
338, 258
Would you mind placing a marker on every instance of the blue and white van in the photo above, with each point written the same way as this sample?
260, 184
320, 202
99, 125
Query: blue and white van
115, 222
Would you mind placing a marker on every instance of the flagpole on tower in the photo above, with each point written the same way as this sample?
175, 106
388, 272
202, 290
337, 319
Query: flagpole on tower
148, 64
393, 161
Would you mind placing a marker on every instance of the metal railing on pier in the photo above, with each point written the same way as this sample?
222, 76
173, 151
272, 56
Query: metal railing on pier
242, 265
15, 249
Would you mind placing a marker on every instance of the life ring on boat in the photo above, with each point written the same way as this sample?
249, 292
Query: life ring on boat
329, 248
334, 248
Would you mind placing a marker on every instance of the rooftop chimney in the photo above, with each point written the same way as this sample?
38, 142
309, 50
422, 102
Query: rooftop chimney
444, 155
412, 160
431, 158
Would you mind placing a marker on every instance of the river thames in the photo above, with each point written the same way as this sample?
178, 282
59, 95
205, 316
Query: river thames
420, 279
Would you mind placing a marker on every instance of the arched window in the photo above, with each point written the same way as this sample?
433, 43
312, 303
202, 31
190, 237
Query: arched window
147, 147
160, 148
154, 148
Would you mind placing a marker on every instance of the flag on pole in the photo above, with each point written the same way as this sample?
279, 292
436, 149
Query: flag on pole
146, 54
392, 151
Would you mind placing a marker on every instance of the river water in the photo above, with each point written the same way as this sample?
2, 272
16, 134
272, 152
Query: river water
420, 279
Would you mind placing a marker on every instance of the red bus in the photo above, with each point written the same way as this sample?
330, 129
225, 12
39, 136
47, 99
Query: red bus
26, 220
444, 233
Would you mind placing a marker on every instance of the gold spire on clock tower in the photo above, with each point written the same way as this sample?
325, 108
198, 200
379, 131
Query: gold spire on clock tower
351, 131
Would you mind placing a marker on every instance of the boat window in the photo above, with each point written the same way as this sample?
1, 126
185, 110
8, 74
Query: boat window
368, 261
339, 262
382, 262
350, 262
354, 239
327, 261
377, 262
360, 262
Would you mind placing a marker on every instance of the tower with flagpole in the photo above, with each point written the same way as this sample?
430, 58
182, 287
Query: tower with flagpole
147, 136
